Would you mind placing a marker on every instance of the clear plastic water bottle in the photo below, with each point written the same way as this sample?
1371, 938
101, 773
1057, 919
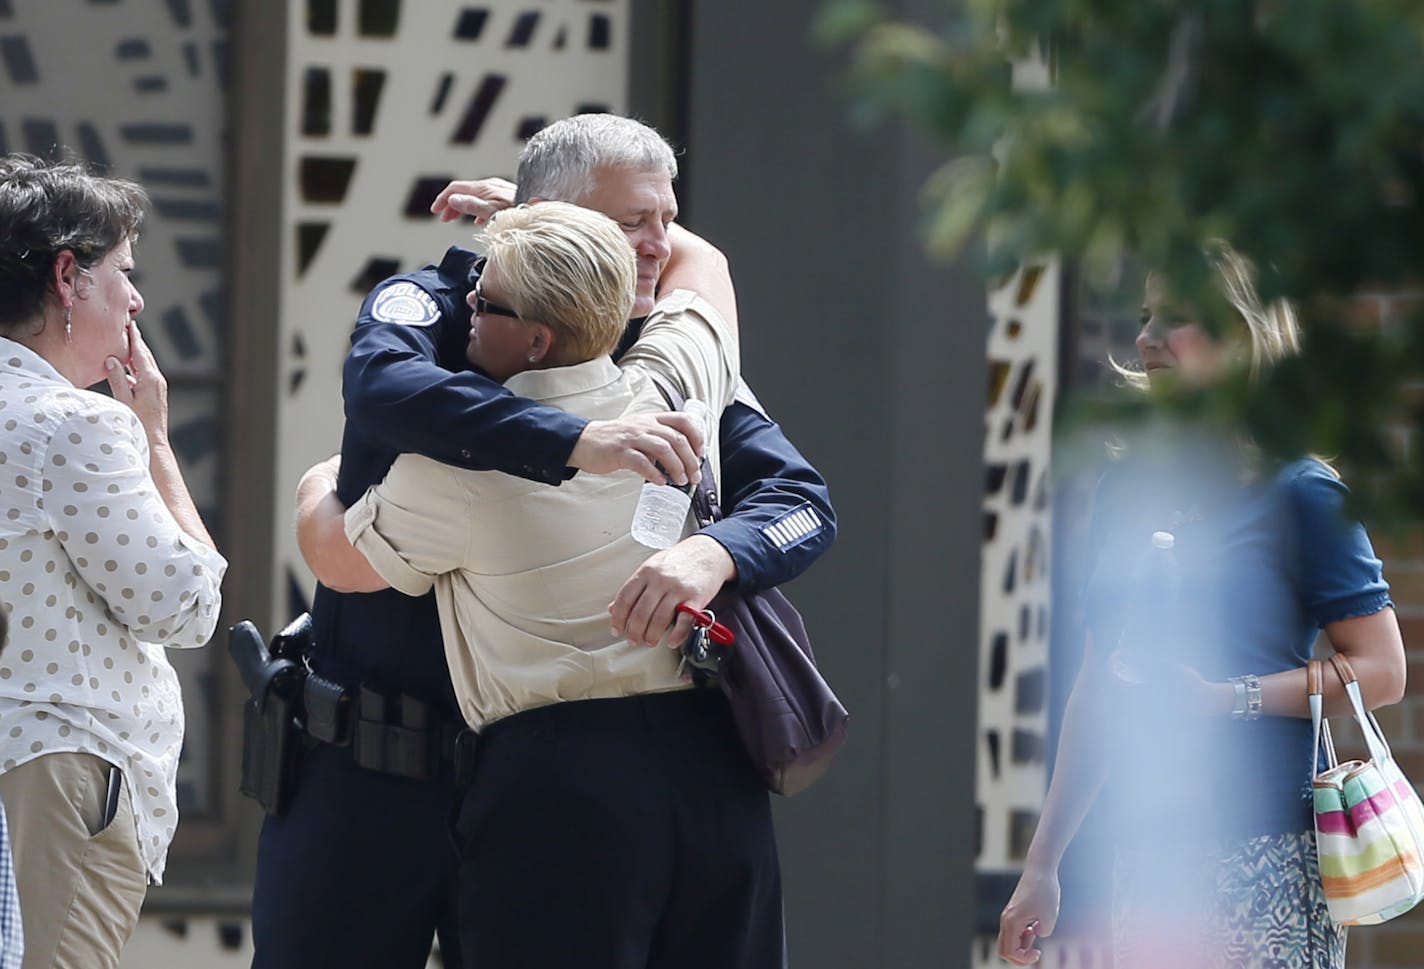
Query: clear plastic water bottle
1153, 616
661, 515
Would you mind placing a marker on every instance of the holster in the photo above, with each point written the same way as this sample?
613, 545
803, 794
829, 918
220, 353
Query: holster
271, 738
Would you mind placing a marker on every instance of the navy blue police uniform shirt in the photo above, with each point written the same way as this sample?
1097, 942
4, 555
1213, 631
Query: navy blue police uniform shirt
408, 388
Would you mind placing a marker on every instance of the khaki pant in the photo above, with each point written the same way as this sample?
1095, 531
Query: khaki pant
81, 883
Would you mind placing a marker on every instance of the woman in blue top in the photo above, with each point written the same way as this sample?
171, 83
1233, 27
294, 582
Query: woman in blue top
1211, 573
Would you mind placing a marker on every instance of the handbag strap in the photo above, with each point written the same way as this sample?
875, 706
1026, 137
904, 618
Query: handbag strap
1319, 725
704, 497
1369, 726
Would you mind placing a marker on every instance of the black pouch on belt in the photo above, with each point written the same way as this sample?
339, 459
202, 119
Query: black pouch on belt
395, 735
328, 708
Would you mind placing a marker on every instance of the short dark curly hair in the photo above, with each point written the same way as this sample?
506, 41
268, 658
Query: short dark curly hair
47, 207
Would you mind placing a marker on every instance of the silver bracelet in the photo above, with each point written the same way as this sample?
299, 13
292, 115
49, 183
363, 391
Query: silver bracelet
1253, 696
1248, 697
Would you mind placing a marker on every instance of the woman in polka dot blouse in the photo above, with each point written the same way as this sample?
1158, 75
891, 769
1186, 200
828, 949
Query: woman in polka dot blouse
104, 562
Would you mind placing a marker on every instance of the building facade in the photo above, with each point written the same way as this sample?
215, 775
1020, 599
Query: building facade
292, 148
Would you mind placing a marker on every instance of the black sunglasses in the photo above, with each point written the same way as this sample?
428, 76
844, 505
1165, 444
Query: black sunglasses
484, 307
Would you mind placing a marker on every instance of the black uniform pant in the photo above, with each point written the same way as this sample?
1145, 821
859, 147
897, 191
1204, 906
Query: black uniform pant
358, 874
630, 833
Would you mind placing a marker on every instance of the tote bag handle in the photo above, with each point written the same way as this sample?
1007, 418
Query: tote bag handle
1369, 726
1319, 725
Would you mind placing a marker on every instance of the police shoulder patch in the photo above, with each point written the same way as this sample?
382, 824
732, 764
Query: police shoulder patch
405, 303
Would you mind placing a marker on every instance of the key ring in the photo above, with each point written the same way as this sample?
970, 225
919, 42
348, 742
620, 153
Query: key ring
707, 619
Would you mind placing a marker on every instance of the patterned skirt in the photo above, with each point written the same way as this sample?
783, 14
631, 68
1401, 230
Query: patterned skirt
1254, 904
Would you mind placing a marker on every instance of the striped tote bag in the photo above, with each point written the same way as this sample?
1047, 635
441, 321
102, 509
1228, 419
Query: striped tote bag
1369, 824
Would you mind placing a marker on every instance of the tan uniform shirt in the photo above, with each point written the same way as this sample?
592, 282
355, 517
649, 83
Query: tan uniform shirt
524, 572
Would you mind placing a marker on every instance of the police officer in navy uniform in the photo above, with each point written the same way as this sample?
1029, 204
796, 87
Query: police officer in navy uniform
360, 870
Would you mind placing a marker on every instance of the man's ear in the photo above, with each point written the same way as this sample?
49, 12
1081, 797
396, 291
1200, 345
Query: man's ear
536, 199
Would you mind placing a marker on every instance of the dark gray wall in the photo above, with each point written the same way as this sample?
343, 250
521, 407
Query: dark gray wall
873, 361
258, 111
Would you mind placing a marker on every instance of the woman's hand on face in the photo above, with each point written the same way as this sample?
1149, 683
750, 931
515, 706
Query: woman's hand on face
141, 386
1032, 912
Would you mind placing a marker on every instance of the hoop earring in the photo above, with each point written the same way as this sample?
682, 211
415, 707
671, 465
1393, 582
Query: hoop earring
68, 323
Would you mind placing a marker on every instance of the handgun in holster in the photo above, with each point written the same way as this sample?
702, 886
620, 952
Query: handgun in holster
271, 733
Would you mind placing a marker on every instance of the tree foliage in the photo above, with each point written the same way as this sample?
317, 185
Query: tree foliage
1292, 128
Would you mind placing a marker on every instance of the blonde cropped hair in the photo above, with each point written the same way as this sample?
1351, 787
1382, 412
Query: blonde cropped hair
569, 268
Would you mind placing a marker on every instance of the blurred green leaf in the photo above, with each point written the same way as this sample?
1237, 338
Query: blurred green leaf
959, 193
842, 21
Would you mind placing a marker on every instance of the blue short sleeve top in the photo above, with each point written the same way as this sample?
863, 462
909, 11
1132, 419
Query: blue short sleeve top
1259, 568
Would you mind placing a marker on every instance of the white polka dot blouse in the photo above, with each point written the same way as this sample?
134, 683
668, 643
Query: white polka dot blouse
97, 579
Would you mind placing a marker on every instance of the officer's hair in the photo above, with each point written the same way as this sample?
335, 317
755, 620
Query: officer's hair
47, 207
570, 268
562, 161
